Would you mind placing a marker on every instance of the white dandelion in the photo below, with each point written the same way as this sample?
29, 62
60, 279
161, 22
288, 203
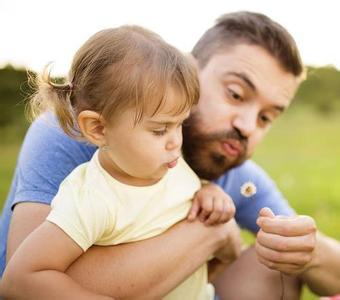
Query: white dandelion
248, 189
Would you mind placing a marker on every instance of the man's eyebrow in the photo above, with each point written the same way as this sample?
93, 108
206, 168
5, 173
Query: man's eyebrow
244, 78
279, 108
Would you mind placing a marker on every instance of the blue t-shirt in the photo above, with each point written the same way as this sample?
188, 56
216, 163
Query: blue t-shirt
48, 155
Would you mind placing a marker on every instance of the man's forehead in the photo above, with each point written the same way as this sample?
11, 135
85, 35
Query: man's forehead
236, 57
254, 66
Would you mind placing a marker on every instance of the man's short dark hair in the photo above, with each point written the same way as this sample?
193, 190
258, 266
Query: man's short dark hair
253, 29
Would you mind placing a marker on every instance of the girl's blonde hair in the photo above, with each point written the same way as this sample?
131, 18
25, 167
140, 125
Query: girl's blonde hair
117, 69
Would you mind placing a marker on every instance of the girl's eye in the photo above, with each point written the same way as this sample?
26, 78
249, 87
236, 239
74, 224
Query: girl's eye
159, 132
234, 95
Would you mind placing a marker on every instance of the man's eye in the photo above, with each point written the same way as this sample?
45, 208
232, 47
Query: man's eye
235, 95
265, 119
159, 132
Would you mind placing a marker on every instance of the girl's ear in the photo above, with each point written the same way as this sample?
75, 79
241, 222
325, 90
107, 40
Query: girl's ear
92, 126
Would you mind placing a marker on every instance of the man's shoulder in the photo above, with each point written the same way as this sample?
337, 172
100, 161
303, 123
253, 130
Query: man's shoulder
248, 165
249, 171
46, 157
45, 140
46, 131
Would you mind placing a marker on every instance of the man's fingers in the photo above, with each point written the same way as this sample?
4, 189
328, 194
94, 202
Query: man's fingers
292, 226
266, 212
288, 269
291, 244
277, 257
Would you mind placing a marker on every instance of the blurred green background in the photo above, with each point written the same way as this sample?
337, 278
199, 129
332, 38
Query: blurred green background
301, 152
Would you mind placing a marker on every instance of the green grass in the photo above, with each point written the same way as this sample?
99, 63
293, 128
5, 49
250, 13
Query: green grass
11, 139
8, 157
301, 153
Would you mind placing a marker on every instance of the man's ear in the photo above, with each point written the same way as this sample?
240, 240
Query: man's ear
92, 126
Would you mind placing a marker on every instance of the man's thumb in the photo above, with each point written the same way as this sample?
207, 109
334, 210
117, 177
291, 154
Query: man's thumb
266, 212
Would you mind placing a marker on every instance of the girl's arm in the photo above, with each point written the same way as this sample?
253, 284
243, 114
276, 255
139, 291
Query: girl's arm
148, 268
36, 270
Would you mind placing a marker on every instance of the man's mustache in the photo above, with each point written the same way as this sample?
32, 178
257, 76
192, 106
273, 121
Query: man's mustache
230, 134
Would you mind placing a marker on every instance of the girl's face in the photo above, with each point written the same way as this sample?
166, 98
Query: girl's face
140, 154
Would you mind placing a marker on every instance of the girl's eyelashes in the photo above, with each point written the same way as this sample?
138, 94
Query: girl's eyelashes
159, 132
163, 131
168, 128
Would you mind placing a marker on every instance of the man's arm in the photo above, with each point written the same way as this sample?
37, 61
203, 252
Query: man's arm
323, 272
143, 270
26, 217
41, 274
293, 246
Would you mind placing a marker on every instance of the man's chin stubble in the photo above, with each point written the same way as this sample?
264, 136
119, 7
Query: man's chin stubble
208, 166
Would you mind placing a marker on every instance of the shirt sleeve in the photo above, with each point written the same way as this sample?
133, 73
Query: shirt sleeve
267, 194
84, 215
47, 156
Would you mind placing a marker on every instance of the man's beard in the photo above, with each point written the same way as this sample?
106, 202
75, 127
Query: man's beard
209, 163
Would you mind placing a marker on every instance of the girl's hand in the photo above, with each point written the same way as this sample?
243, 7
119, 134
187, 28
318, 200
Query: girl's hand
211, 205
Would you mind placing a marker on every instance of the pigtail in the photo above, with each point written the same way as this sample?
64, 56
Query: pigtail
56, 97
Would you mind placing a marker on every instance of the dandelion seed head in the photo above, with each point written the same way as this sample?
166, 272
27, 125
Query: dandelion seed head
248, 189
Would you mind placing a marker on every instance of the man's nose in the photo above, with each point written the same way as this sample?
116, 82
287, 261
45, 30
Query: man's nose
175, 140
246, 122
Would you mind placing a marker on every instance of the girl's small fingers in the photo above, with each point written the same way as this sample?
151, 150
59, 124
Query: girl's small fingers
218, 210
203, 215
228, 213
207, 207
213, 218
194, 210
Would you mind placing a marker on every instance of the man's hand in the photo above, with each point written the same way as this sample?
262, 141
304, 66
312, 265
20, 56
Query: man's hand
285, 244
212, 205
232, 246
